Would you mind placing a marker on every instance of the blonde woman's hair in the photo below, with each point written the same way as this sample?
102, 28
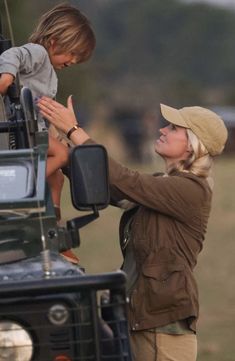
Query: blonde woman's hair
70, 30
199, 161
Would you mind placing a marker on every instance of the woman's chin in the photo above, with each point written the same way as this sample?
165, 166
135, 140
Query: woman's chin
157, 147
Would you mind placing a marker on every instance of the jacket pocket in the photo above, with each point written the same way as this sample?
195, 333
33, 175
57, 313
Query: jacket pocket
165, 286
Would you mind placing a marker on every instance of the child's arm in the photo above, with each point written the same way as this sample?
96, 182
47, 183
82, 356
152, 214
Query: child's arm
25, 59
5, 81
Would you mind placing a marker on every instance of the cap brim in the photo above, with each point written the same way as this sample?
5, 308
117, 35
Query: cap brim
173, 116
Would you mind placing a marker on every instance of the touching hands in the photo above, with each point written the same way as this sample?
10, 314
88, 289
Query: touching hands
62, 117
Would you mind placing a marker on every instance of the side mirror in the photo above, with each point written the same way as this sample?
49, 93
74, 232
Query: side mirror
89, 177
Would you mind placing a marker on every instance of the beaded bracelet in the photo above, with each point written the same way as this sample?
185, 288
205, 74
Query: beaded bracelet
75, 127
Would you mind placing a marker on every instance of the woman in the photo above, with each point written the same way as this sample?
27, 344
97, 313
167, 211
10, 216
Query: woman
163, 228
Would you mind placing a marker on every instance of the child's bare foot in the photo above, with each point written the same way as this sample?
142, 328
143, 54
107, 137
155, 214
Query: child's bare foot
70, 256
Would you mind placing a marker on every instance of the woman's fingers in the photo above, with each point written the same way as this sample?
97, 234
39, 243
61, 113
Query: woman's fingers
47, 111
56, 113
70, 104
49, 104
47, 107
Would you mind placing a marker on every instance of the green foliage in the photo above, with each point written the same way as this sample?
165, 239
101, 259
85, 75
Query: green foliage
169, 44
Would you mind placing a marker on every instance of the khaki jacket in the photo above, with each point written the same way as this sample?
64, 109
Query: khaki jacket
167, 232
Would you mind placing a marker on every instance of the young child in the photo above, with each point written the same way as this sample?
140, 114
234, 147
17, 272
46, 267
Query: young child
63, 37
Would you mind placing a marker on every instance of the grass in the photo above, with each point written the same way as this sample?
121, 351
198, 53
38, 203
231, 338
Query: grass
99, 252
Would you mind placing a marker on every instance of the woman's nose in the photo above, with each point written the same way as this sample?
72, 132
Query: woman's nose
163, 131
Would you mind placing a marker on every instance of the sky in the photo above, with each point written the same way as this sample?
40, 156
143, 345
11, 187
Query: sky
224, 3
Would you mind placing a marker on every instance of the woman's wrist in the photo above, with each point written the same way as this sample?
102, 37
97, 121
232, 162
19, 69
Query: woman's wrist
71, 130
78, 136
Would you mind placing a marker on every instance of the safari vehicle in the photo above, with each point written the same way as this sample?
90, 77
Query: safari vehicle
50, 310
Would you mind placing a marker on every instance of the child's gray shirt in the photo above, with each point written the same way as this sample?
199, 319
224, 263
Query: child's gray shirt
32, 63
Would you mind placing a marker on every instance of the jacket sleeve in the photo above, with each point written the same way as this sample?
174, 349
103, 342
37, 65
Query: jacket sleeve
22, 59
179, 196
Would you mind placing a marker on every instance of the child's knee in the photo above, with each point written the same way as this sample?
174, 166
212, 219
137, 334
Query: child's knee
64, 156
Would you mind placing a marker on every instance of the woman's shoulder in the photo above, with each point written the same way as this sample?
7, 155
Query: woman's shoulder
184, 177
193, 177
195, 182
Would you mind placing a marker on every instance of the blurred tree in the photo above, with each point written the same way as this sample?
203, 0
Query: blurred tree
147, 51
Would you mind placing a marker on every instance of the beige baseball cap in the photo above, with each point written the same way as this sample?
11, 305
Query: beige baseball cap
204, 123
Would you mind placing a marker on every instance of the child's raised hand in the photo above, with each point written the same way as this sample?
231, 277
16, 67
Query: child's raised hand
6, 80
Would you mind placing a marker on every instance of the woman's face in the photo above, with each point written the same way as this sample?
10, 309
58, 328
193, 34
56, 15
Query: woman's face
173, 145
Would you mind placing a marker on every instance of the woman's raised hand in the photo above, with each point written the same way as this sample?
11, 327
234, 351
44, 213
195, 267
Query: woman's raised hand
57, 114
63, 118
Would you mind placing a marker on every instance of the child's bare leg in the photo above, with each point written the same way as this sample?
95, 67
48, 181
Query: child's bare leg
57, 156
56, 181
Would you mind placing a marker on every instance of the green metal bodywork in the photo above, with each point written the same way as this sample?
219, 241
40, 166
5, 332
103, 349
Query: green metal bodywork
23, 221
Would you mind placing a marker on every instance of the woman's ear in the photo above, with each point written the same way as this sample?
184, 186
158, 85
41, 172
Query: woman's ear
189, 147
